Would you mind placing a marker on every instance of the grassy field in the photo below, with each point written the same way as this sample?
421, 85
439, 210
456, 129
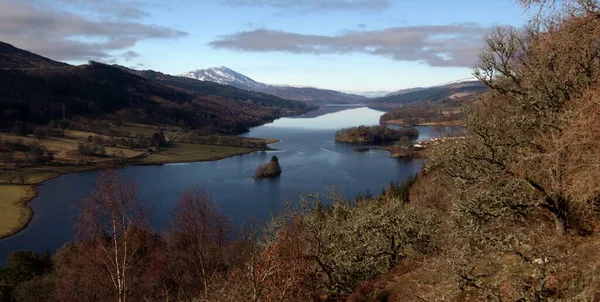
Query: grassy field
14, 212
64, 147
180, 153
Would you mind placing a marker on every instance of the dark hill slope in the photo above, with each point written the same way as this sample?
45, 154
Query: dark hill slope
445, 94
38, 96
205, 88
317, 95
430, 105
12, 58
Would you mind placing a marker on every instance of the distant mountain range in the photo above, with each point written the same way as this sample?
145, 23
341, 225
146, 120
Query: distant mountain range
454, 91
403, 91
369, 94
224, 75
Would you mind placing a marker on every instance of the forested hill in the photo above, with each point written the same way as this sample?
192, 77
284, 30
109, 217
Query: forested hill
444, 94
39, 95
12, 57
205, 88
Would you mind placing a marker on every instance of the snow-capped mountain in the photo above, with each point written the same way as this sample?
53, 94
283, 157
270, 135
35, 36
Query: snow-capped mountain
226, 76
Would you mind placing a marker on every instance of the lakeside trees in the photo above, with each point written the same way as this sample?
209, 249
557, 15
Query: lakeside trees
414, 114
374, 134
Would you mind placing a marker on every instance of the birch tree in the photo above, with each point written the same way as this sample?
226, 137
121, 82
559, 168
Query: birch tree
111, 218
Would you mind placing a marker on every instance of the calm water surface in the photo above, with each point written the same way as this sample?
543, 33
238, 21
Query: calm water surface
310, 159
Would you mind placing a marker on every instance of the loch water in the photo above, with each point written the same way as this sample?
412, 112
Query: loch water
310, 158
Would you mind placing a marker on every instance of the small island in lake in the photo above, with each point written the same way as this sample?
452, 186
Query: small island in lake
270, 170
374, 135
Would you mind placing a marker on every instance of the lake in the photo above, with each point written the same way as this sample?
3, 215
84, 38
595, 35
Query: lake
310, 159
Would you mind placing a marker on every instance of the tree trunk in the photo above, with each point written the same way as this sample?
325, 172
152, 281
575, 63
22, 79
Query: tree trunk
560, 214
560, 224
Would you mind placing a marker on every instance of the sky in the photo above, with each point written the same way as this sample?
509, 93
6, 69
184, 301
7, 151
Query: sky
347, 45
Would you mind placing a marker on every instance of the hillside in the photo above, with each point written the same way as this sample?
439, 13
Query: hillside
206, 88
435, 105
39, 95
12, 57
224, 75
444, 94
403, 91
317, 95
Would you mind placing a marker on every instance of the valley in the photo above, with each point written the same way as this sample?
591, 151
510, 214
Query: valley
60, 119
296, 141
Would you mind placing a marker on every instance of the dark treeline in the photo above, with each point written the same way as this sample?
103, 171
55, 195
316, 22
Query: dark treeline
424, 113
374, 134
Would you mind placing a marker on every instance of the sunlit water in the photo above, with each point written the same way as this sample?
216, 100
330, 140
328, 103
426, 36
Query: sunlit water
310, 159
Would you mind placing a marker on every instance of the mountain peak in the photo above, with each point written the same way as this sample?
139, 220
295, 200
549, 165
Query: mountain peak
226, 76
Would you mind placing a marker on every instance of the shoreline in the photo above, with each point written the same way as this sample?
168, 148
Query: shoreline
438, 123
23, 202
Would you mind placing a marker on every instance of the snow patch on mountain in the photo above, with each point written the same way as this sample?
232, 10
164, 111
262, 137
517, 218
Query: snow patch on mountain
225, 76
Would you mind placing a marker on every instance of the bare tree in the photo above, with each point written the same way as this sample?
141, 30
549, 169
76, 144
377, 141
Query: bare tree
111, 218
199, 233
581, 6
516, 145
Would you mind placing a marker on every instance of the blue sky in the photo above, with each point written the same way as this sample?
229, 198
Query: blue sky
349, 45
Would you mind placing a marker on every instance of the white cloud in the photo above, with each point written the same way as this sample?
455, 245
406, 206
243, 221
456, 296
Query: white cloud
435, 45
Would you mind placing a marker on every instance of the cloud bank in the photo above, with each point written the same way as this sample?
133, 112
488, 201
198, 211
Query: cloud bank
64, 35
316, 5
436, 45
